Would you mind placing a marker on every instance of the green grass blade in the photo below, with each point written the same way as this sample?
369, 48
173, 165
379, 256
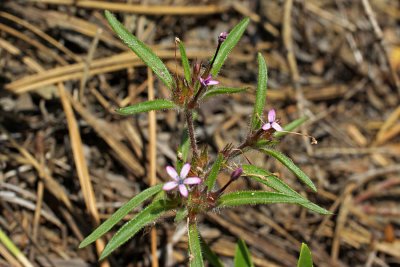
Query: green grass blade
120, 214
291, 126
256, 197
212, 177
185, 61
261, 93
209, 255
270, 180
141, 50
146, 106
242, 255
233, 38
196, 258
9, 244
305, 259
291, 166
223, 91
150, 214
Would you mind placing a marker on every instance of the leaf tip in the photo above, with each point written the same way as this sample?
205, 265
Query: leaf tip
83, 244
107, 13
104, 254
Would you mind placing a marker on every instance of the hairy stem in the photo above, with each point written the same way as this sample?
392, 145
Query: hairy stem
189, 121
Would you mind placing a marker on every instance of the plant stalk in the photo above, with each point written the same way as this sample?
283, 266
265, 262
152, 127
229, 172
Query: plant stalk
192, 136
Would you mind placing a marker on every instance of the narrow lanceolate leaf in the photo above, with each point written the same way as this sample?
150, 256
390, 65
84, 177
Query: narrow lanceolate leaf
212, 177
209, 255
242, 255
223, 91
291, 126
185, 61
267, 178
305, 259
261, 93
146, 106
233, 38
256, 197
141, 50
150, 214
270, 180
291, 166
120, 214
196, 258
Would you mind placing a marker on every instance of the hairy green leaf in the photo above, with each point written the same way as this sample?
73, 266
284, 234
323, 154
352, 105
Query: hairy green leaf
291, 126
185, 61
196, 258
146, 106
223, 90
261, 93
209, 255
256, 197
141, 50
280, 186
120, 214
305, 259
150, 214
242, 255
291, 166
212, 177
233, 38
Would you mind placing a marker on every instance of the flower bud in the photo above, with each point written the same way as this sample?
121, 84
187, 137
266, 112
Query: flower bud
222, 37
236, 173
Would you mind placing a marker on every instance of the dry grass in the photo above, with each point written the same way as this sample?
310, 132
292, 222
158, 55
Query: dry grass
67, 161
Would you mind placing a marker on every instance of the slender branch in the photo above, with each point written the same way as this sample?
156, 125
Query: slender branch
192, 136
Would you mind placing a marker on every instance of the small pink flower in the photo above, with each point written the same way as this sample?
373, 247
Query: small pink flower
208, 81
180, 181
272, 122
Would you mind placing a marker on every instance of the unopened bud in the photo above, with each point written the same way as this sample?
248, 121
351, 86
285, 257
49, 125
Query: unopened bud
222, 36
236, 173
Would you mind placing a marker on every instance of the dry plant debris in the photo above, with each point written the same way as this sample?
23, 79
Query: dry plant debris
67, 161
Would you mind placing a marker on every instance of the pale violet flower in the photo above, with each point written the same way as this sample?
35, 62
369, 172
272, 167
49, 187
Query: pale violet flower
180, 181
208, 81
272, 122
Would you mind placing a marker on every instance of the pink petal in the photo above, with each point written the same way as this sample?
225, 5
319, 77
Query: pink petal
213, 82
172, 172
169, 186
192, 180
183, 190
266, 126
276, 126
271, 115
185, 170
202, 81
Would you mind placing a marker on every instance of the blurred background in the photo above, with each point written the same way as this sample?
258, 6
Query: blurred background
67, 161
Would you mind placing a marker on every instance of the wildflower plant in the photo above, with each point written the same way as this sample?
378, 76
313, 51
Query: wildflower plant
192, 189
